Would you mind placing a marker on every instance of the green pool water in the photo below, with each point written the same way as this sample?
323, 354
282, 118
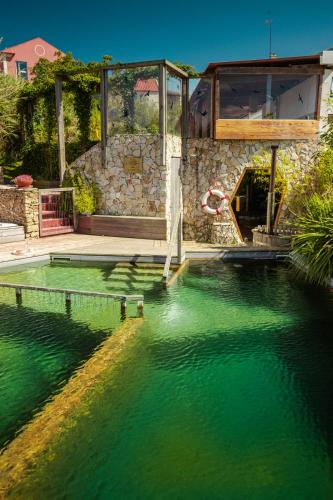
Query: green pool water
225, 393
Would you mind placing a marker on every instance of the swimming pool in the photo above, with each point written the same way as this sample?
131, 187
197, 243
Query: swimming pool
224, 393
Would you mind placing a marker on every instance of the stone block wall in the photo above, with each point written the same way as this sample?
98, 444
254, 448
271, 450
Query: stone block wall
207, 163
211, 163
20, 206
146, 193
123, 193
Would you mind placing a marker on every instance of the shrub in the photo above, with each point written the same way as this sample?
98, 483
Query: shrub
86, 194
312, 249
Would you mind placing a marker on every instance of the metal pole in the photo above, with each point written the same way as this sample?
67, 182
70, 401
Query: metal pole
123, 306
270, 197
18, 293
140, 308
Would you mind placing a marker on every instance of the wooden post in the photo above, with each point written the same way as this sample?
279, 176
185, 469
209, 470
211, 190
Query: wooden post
68, 302
163, 112
270, 197
140, 308
216, 109
18, 293
60, 128
185, 94
104, 114
123, 306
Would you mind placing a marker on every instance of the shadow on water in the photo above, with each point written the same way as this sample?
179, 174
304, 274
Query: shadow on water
40, 351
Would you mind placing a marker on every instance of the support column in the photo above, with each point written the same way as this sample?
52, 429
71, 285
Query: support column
270, 197
104, 113
60, 128
163, 112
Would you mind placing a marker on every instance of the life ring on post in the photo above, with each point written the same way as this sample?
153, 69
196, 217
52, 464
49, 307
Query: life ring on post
214, 192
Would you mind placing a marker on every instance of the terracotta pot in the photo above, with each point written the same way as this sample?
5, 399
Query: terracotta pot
23, 181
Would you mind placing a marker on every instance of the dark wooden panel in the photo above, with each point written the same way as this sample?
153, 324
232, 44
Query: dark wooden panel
153, 228
271, 70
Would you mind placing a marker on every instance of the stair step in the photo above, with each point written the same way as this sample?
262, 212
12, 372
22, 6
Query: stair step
52, 214
50, 231
56, 222
50, 198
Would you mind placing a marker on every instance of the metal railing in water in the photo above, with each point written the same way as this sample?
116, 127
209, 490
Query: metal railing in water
174, 237
123, 299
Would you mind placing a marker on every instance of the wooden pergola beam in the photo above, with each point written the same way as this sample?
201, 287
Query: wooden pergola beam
104, 114
60, 128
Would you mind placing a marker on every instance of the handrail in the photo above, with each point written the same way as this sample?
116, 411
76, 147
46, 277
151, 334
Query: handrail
171, 245
116, 296
56, 189
68, 295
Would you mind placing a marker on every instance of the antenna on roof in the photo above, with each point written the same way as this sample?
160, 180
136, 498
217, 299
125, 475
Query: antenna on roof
271, 54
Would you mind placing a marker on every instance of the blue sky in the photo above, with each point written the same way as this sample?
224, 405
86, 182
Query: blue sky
195, 32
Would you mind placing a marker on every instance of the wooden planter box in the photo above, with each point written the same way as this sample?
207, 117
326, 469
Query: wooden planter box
151, 228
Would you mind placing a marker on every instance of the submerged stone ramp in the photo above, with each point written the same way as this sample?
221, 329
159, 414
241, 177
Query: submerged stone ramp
22, 453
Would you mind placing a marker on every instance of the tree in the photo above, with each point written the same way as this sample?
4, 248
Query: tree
10, 95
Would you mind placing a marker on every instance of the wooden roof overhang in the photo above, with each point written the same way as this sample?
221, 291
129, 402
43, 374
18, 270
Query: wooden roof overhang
259, 65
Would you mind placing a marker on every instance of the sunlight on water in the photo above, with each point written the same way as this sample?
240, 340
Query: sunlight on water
225, 393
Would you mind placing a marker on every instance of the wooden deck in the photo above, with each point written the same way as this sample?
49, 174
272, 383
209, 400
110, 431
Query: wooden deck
104, 246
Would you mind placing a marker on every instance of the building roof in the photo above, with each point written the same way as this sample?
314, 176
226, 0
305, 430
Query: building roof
13, 47
274, 61
150, 85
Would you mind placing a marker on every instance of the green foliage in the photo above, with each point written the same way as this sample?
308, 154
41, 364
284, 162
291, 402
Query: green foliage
285, 171
10, 95
86, 194
40, 159
190, 70
312, 251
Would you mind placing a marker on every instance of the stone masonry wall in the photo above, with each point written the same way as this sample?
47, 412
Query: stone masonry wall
210, 163
145, 194
20, 206
122, 193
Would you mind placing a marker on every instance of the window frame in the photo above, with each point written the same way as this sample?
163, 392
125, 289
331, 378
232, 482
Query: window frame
18, 71
300, 70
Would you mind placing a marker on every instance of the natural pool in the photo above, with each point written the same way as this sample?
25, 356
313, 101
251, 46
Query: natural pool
225, 392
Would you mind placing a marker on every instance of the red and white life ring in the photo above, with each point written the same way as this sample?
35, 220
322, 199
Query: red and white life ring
214, 192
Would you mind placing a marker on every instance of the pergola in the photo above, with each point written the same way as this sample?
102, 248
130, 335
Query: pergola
163, 66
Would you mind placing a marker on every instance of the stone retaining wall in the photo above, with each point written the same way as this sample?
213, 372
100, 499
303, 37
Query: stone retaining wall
207, 163
145, 193
211, 163
121, 192
20, 206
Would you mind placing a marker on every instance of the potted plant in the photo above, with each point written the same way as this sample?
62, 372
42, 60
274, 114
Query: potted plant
23, 181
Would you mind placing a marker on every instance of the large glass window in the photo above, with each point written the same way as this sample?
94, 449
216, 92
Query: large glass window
174, 104
199, 120
268, 96
133, 101
22, 69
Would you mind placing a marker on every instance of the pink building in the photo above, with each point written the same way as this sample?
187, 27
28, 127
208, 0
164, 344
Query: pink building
19, 60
